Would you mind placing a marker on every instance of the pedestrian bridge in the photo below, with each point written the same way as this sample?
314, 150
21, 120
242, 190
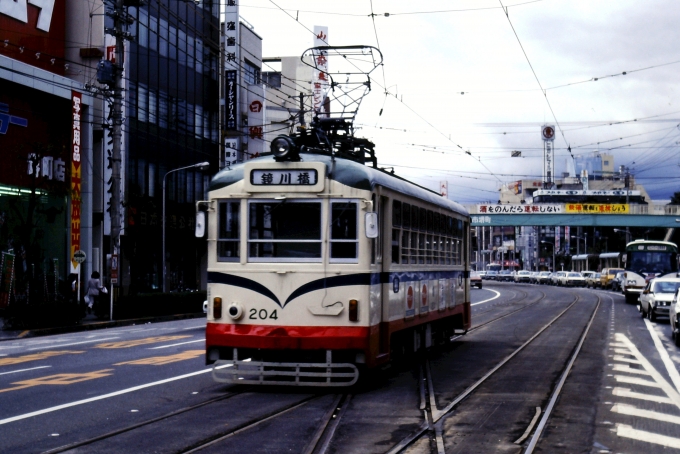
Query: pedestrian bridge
575, 214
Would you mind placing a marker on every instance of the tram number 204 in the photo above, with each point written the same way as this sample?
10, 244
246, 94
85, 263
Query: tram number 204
262, 314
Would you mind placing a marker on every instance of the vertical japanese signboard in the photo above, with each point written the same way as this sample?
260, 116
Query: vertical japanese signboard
232, 70
231, 148
76, 103
548, 136
256, 109
320, 79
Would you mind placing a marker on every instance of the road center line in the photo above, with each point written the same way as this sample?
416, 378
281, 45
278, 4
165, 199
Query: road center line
103, 396
23, 370
490, 299
73, 343
174, 345
663, 353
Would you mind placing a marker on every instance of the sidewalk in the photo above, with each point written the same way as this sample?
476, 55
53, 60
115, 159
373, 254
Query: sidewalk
88, 323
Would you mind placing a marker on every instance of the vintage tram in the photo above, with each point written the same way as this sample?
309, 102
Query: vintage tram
320, 264
644, 260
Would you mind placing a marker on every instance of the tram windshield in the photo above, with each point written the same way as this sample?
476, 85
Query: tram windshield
651, 262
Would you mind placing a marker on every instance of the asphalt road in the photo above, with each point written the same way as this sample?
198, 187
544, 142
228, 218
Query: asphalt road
133, 389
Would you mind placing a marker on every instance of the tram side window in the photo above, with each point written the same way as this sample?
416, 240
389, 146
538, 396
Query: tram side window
284, 231
396, 233
344, 232
228, 231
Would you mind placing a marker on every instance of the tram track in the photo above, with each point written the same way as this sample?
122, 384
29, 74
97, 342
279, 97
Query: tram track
434, 417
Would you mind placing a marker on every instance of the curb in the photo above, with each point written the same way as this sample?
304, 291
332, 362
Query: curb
98, 325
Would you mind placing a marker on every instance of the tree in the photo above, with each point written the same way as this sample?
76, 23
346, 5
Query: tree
675, 198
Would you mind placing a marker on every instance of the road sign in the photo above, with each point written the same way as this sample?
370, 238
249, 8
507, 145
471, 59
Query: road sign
79, 256
114, 269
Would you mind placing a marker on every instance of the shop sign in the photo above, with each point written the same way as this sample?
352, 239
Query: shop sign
47, 167
320, 78
76, 100
231, 100
256, 144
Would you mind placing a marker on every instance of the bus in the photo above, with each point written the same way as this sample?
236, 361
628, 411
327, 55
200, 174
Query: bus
644, 260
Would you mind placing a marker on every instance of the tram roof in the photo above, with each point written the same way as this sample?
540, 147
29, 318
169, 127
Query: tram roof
349, 173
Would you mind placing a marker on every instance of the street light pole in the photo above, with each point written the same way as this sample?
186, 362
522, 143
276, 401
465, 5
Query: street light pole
200, 164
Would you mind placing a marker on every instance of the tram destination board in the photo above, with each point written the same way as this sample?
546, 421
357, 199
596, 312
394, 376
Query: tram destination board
292, 177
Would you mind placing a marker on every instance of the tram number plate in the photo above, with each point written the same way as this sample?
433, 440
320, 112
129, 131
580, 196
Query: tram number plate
275, 177
262, 314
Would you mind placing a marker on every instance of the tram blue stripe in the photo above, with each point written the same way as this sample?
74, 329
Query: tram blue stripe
330, 282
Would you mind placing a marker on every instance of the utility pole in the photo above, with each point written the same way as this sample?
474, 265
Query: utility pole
120, 21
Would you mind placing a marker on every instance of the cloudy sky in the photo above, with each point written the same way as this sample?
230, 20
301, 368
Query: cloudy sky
461, 92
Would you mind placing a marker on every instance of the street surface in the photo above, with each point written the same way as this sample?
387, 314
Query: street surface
146, 389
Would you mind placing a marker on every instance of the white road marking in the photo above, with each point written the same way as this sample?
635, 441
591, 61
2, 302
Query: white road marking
630, 370
627, 360
663, 353
174, 345
194, 327
74, 343
640, 413
103, 396
490, 299
623, 430
621, 351
625, 392
636, 381
670, 391
23, 370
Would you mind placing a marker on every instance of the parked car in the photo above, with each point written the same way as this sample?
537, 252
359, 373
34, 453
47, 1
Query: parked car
607, 276
674, 313
523, 276
543, 277
617, 282
593, 281
532, 278
555, 277
482, 274
572, 279
657, 295
491, 275
475, 279
586, 274
505, 275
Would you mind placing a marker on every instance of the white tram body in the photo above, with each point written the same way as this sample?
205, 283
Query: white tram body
645, 260
323, 266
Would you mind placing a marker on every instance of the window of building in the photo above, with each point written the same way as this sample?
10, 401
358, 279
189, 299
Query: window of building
142, 30
199, 55
163, 38
152, 107
132, 100
182, 48
163, 109
191, 51
344, 237
152, 180
251, 73
198, 121
272, 79
284, 231
172, 43
228, 231
142, 103
153, 33
190, 186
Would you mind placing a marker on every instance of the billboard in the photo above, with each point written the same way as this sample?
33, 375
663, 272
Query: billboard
33, 32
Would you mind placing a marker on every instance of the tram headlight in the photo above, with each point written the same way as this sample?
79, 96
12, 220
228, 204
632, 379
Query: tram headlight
235, 311
284, 149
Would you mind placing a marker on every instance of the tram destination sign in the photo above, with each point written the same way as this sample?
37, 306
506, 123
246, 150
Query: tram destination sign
287, 177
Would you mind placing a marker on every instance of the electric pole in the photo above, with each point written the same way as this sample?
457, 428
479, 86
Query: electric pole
117, 133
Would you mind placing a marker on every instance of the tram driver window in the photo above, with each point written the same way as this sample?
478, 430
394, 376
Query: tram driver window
344, 232
228, 231
284, 231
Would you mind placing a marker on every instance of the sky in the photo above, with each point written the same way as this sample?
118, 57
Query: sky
463, 84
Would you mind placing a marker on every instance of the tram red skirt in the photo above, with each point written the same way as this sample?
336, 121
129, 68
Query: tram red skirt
287, 337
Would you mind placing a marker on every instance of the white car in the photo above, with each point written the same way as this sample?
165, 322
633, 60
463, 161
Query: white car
656, 297
674, 314
523, 276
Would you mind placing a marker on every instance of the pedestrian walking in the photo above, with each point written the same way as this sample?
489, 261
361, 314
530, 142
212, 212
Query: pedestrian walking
93, 294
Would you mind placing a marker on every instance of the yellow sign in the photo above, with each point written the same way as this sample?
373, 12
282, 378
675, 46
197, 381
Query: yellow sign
58, 379
597, 208
136, 342
33, 357
161, 360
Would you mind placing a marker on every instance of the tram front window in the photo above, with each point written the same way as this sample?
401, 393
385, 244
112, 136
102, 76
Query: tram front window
652, 262
285, 231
